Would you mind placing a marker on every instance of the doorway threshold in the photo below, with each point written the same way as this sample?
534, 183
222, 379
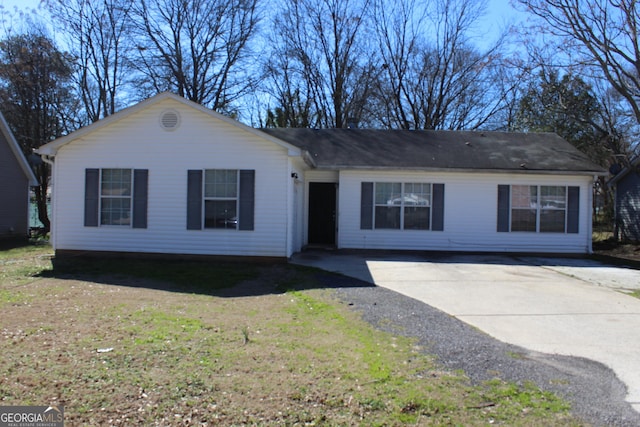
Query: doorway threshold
319, 246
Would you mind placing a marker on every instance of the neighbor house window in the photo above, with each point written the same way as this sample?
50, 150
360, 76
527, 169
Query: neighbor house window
402, 206
538, 208
116, 197
220, 198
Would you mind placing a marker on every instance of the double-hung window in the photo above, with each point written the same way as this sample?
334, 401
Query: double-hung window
388, 209
402, 206
116, 187
538, 208
553, 209
220, 198
116, 197
524, 207
416, 202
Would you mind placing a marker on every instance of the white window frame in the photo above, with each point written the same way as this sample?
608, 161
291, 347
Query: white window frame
402, 205
206, 198
537, 205
104, 197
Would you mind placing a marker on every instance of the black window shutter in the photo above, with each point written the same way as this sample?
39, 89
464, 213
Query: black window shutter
140, 197
91, 197
247, 199
573, 209
503, 208
437, 212
194, 199
366, 206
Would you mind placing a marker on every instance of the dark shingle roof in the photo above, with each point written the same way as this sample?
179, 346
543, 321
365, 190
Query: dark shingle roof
437, 150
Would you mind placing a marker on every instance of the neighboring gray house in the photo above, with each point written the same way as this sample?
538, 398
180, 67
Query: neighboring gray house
16, 177
626, 185
171, 176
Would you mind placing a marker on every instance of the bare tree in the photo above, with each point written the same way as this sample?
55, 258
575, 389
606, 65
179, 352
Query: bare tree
321, 53
99, 33
620, 129
510, 79
600, 34
196, 48
36, 96
434, 76
292, 94
399, 34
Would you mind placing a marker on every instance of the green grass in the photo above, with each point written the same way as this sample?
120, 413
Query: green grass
402, 386
19, 266
122, 355
526, 398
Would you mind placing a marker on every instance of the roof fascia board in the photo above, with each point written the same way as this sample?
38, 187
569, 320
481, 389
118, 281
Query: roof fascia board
15, 147
500, 171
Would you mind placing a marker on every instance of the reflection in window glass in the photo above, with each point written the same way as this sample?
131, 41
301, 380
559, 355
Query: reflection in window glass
221, 198
524, 205
220, 214
417, 194
402, 206
553, 205
417, 206
387, 209
538, 208
388, 193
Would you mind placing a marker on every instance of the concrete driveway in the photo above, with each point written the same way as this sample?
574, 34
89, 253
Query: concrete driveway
573, 307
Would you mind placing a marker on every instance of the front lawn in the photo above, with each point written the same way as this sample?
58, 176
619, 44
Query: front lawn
171, 343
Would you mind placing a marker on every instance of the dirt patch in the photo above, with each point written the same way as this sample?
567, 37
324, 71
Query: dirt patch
624, 253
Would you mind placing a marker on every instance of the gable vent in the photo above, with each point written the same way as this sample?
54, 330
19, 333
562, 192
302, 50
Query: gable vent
170, 120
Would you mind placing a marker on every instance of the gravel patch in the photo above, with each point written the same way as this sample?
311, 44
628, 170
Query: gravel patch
596, 395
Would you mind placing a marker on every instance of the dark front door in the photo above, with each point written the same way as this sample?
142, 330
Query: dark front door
322, 213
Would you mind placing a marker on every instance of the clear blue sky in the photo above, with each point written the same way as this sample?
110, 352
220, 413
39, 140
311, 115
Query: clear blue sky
21, 4
499, 14
13, 7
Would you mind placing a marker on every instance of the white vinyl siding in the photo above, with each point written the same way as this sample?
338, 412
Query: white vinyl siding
470, 214
201, 142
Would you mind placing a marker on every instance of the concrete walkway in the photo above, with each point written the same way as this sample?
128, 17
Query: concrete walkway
573, 307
